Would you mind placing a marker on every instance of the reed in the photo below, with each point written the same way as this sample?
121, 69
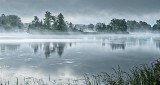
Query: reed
142, 75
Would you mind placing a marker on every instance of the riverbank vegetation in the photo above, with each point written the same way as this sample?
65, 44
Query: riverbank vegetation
142, 75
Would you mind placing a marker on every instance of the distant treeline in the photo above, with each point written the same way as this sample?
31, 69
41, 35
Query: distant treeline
56, 23
52, 23
10, 23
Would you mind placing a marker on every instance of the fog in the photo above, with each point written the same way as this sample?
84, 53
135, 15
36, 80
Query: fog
30, 38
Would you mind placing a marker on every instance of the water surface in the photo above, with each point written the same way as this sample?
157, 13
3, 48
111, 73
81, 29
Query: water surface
71, 56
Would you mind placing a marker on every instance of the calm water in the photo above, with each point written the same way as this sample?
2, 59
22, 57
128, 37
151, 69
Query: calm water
72, 56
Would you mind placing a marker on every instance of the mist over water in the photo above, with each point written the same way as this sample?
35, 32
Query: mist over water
71, 56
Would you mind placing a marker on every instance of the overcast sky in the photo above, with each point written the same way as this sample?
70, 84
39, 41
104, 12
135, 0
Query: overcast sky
85, 11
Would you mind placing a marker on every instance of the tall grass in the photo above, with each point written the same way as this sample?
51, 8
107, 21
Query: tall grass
142, 75
146, 74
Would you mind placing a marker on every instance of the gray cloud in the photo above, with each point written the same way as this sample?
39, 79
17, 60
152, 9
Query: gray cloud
81, 7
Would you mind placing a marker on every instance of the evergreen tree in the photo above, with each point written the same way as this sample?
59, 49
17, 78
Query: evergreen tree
71, 27
61, 25
41, 23
54, 22
36, 25
50, 23
36, 22
47, 20
3, 21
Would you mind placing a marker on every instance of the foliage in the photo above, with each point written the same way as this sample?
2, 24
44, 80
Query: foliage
8, 22
116, 25
143, 75
101, 27
156, 26
61, 25
141, 26
91, 26
47, 20
133, 26
71, 27
53, 23
49, 23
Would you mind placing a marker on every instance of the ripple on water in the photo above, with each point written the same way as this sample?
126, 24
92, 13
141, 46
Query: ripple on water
1, 58
28, 59
68, 62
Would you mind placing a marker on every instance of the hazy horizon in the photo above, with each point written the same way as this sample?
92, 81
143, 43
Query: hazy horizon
84, 12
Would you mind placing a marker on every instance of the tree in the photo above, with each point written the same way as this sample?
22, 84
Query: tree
61, 25
10, 22
158, 21
47, 20
41, 23
60, 48
71, 26
13, 20
54, 22
91, 26
101, 27
36, 22
49, 23
133, 26
144, 26
156, 26
140, 26
36, 25
3, 21
109, 28
118, 25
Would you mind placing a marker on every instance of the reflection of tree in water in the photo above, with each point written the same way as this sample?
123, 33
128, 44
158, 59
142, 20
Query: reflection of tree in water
143, 41
103, 42
52, 48
118, 46
2, 48
49, 48
157, 43
60, 48
12, 47
70, 44
36, 47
